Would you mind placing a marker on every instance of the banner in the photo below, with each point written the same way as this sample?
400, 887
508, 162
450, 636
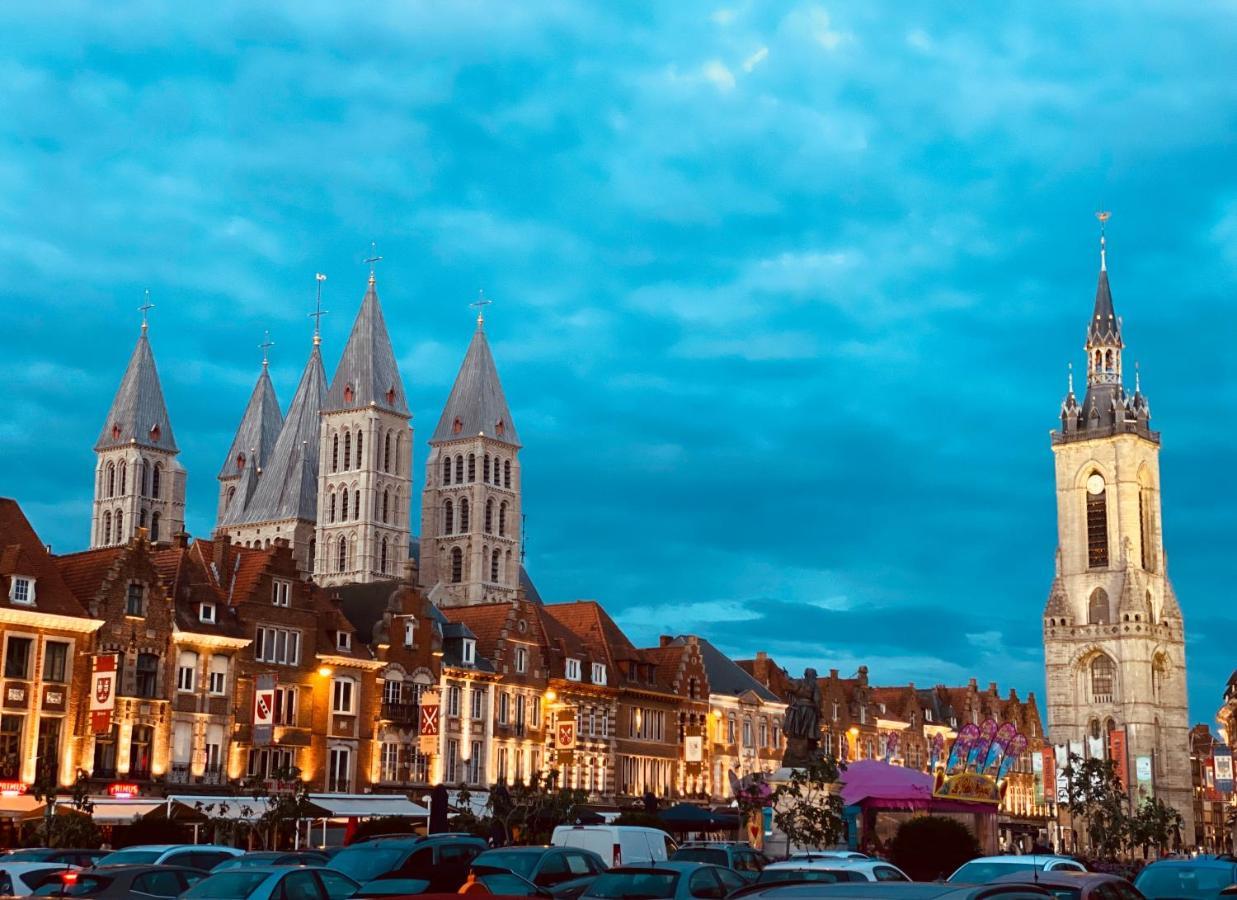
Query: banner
103, 693
1050, 769
1120, 758
429, 724
1223, 759
1037, 773
1062, 753
693, 750
1142, 771
565, 740
263, 709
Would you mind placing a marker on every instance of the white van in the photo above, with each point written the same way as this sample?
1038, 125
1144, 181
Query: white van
618, 845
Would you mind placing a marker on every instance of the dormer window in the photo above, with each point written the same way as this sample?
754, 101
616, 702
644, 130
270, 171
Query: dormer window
457, 426
206, 613
155, 432
21, 590
349, 393
573, 670
240, 461
115, 432
391, 396
343, 640
281, 592
500, 428
599, 674
521, 659
469, 655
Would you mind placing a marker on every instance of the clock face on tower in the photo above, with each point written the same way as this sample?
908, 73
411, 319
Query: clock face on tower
1095, 484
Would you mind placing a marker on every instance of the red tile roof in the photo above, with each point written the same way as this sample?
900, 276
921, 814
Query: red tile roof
486, 621
22, 553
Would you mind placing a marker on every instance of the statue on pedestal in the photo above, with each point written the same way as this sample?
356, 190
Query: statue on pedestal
802, 723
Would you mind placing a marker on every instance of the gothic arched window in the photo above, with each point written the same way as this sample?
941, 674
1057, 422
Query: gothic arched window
386, 500
486, 469
343, 512
446, 470
347, 450
331, 503
489, 516
463, 515
472, 467
1146, 521
154, 527
1097, 608
1103, 679
356, 503
1097, 522
341, 555
459, 469
457, 565
124, 471
507, 473
502, 518
382, 559
386, 452
144, 475
120, 526
494, 566
111, 479
335, 453
360, 443
155, 477
399, 442
448, 518
107, 528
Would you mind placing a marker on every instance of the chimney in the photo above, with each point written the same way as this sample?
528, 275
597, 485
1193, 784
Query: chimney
992, 687
833, 674
973, 684
180, 540
664, 640
760, 654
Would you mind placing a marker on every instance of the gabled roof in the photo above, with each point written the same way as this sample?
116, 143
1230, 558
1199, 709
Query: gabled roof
599, 633
368, 366
485, 621
258, 431
288, 488
561, 643
476, 404
22, 553
138, 413
725, 675
84, 572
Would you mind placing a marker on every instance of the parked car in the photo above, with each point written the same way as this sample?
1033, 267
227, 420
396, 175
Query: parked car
665, 881
986, 868
20, 879
117, 882
733, 855
82, 858
828, 854
273, 858
408, 865
800, 875
617, 844
1187, 879
274, 883
195, 856
1068, 885
898, 890
545, 867
865, 869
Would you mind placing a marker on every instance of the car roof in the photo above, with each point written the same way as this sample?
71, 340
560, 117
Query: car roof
536, 848
270, 870
22, 866
903, 890
674, 865
1024, 858
1207, 862
1057, 878
124, 868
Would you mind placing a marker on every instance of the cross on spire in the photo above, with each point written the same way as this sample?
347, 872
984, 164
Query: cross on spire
144, 308
1103, 216
266, 344
373, 260
318, 312
481, 303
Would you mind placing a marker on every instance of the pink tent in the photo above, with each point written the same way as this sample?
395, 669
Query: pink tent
873, 784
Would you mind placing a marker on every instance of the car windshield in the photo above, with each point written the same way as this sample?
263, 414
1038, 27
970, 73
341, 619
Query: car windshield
1063, 893
30, 854
774, 876
81, 887
130, 857
633, 885
520, 863
981, 872
367, 863
235, 885
702, 855
1183, 882
396, 886
244, 862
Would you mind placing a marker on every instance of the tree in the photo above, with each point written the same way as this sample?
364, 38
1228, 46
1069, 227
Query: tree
529, 812
1094, 792
807, 809
931, 847
65, 831
1156, 824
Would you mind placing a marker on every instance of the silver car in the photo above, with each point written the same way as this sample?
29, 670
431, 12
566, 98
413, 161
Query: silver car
664, 881
269, 882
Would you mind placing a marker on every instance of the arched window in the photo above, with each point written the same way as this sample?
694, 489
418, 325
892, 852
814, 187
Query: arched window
386, 452
107, 528
1146, 521
507, 473
120, 526
463, 515
343, 512
507, 571
494, 560
231, 495
472, 467
356, 504
124, 471
457, 565
459, 469
489, 516
335, 453
154, 526
382, 558
141, 514
347, 450
386, 502
448, 518
1103, 679
1097, 608
1097, 522
155, 477
446, 470
341, 555
360, 443
502, 518
313, 554
332, 505
486, 469
111, 479
399, 443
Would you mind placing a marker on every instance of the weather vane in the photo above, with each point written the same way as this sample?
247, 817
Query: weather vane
318, 312
144, 308
266, 344
481, 303
1103, 216
374, 259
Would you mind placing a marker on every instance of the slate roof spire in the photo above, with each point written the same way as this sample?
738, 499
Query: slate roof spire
367, 372
476, 404
138, 413
258, 430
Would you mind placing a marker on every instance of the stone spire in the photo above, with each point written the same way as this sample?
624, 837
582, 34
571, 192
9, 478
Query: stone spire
476, 405
138, 414
252, 446
367, 373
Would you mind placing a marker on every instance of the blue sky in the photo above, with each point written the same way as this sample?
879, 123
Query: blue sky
784, 293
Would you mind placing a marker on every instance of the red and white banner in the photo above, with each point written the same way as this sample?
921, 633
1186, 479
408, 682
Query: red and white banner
264, 707
429, 723
566, 735
103, 693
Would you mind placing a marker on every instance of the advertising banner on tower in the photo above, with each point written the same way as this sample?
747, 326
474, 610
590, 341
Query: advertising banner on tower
1120, 758
1061, 754
429, 724
103, 693
1223, 759
1037, 773
263, 709
1142, 771
1050, 769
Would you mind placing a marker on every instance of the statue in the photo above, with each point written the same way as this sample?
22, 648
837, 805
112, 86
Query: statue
802, 723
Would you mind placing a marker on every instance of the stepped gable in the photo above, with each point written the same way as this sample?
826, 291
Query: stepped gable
22, 553
727, 676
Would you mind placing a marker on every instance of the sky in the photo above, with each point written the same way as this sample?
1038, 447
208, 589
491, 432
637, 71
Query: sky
784, 294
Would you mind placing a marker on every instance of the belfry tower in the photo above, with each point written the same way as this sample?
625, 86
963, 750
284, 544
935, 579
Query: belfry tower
1114, 639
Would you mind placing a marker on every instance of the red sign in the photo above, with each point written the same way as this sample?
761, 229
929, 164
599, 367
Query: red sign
123, 791
567, 735
264, 707
429, 720
429, 723
12, 788
1116, 750
103, 693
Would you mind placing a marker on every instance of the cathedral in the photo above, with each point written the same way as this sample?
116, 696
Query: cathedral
1114, 637
333, 477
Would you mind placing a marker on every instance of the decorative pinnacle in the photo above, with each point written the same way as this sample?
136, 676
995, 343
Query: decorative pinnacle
480, 303
318, 312
1103, 216
1071, 378
374, 259
144, 308
1138, 389
266, 344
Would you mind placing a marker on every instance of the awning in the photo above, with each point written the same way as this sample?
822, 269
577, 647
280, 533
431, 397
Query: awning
107, 810
206, 806
344, 806
18, 806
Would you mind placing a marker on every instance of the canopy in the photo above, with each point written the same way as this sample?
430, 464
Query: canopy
204, 806
344, 806
874, 784
105, 810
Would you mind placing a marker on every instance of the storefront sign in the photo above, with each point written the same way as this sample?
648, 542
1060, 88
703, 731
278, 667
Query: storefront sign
103, 693
970, 787
1223, 758
429, 723
16, 695
263, 709
1120, 759
122, 790
54, 697
12, 788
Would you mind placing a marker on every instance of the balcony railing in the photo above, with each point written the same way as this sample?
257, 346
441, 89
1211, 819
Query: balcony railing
179, 773
399, 712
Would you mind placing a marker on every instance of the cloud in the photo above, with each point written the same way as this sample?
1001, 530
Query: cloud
755, 59
717, 74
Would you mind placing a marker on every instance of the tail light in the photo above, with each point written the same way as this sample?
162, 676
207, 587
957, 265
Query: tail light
69, 877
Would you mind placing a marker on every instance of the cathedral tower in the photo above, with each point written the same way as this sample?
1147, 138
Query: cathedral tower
364, 478
470, 508
138, 481
1114, 640
251, 448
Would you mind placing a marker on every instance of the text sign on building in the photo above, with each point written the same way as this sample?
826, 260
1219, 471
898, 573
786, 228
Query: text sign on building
429, 723
53, 698
103, 693
16, 695
1223, 758
264, 709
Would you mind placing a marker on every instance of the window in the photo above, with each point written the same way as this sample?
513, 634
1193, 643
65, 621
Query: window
268, 763
599, 673
56, 662
495, 561
339, 770
764, 732
135, 604
535, 712
382, 557
206, 612
10, 746
356, 504
277, 645
285, 706
1097, 608
218, 675
507, 474
22, 590
453, 700
120, 528
472, 467
410, 631
747, 732
502, 518
457, 565
448, 518
446, 470
107, 528
489, 516
504, 708
502, 764
104, 751
341, 555
469, 655
343, 640
214, 749
1103, 677
17, 657
360, 457
139, 751
155, 478
573, 670
347, 450
486, 469
281, 592
335, 453
343, 510
343, 696
111, 479
451, 763
521, 659
463, 515
187, 672
386, 452
477, 696
474, 762
1097, 522
386, 506
154, 527
147, 675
